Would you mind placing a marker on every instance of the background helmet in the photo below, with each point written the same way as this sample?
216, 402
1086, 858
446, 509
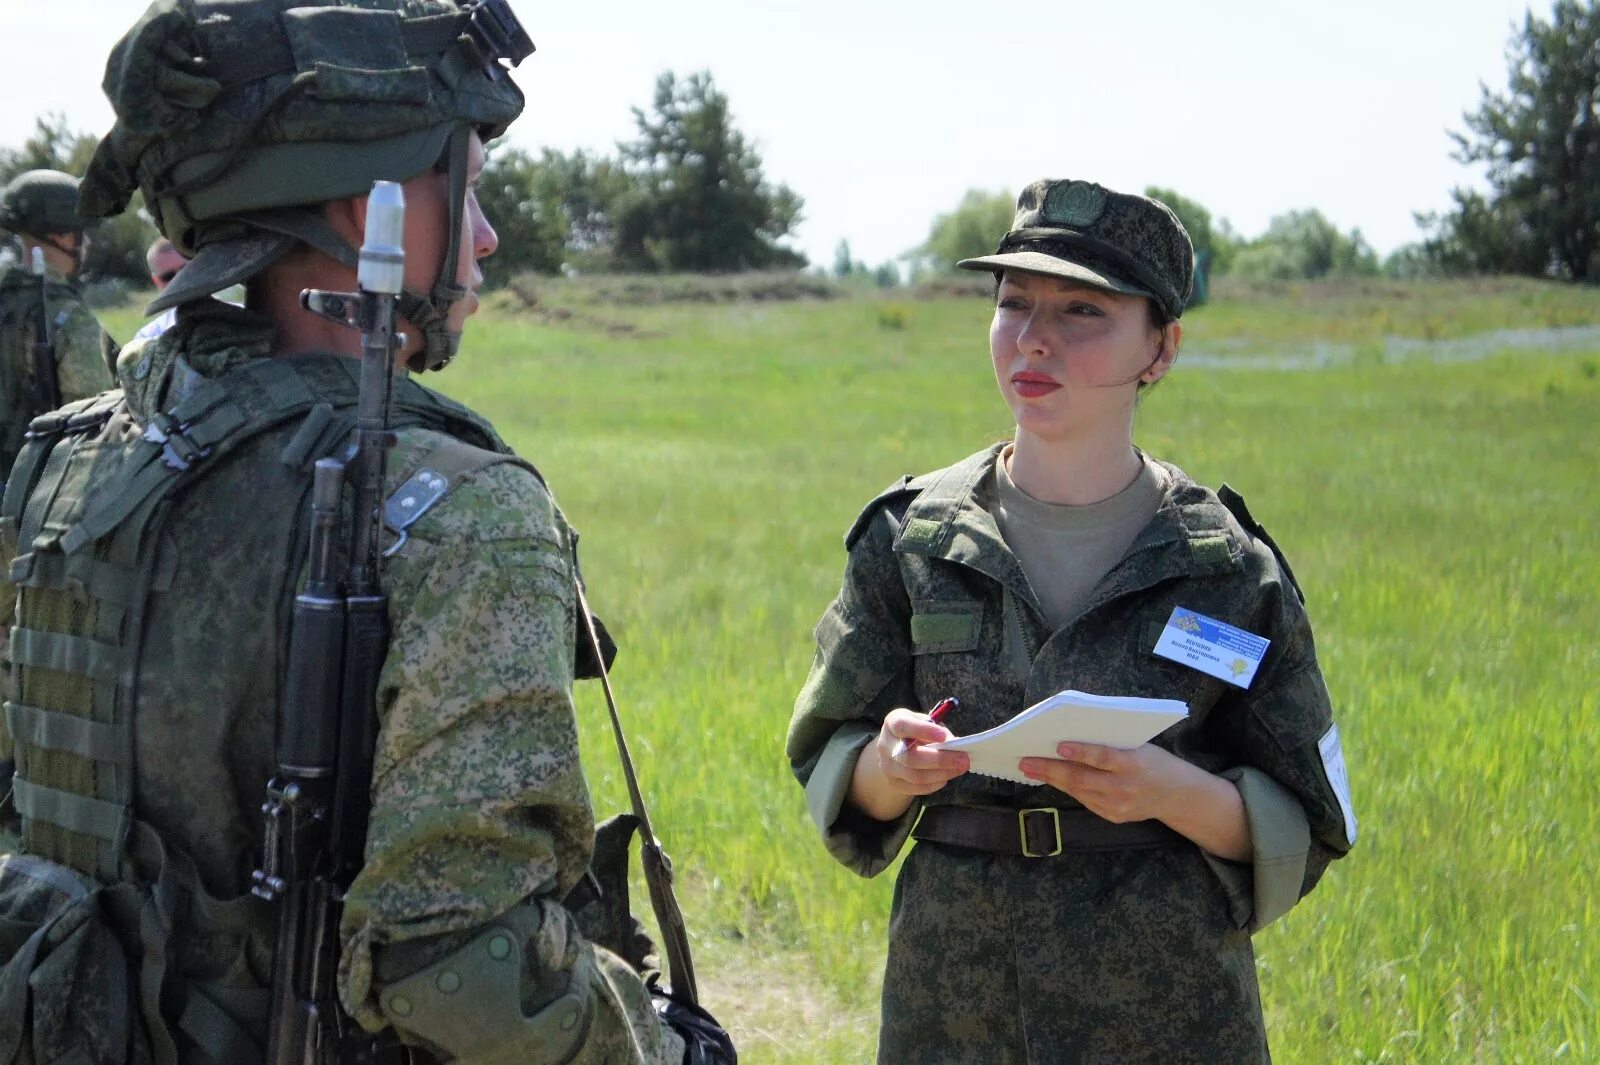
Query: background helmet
237, 119
40, 202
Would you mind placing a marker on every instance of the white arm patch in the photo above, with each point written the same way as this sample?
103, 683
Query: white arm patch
1338, 778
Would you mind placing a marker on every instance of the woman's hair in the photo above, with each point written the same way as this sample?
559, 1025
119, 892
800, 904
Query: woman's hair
1158, 317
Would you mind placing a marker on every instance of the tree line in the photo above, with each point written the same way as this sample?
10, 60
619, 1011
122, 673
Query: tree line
1540, 141
688, 194
116, 246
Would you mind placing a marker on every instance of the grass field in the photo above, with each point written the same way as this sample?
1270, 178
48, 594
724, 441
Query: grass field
1438, 508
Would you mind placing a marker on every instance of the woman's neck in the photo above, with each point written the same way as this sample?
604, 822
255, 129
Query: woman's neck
1075, 471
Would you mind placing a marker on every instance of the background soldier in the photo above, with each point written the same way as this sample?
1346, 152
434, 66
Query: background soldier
164, 262
40, 208
159, 534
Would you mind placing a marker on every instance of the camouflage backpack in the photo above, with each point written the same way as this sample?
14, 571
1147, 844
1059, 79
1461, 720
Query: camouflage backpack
102, 920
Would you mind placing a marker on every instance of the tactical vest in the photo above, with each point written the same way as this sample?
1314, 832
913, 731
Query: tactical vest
156, 565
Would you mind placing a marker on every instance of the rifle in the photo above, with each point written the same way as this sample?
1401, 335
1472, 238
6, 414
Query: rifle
318, 801
46, 384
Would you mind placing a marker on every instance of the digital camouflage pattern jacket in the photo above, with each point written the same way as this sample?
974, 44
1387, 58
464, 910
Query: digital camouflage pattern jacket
84, 353
1123, 956
479, 803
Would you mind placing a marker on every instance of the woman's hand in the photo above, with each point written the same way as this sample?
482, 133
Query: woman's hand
895, 768
1150, 783
1119, 785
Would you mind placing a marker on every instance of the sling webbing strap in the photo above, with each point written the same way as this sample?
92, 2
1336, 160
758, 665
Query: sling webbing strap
657, 866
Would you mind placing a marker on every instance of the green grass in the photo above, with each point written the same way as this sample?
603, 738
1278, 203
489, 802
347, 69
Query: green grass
1440, 517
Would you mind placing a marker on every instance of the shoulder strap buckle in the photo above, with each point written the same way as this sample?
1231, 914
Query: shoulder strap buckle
178, 451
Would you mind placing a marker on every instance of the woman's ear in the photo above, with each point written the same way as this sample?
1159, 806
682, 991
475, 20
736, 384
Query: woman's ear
1170, 336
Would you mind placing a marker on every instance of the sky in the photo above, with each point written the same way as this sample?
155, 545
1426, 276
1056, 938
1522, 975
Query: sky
880, 114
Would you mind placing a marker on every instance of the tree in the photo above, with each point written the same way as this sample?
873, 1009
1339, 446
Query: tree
1410, 262
529, 222
1304, 245
1219, 239
844, 264
1540, 140
117, 245
974, 228
699, 200
551, 211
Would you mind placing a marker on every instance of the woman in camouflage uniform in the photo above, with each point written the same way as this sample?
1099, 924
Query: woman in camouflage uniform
1102, 912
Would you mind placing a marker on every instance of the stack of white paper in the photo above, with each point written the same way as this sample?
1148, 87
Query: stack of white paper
1066, 717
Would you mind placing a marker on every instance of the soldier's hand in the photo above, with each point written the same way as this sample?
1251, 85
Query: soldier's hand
1118, 785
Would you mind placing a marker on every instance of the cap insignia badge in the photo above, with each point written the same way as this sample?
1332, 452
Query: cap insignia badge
1074, 203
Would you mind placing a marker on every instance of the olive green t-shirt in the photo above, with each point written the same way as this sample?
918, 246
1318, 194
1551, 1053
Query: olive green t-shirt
1065, 550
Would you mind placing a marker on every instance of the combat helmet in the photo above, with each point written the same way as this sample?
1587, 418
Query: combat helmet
42, 204
237, 119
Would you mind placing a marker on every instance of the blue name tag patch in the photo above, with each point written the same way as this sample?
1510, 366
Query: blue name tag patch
1212, 647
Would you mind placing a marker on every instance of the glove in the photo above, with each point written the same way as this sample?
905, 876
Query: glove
705, 1041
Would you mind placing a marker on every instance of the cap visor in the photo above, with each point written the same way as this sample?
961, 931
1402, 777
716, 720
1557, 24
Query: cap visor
217, 266
1037, 262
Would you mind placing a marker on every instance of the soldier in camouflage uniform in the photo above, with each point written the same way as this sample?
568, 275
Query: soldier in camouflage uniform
40, 208
155, 538
1101, 911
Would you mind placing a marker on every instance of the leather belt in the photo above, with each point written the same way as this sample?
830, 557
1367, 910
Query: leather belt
1036, 832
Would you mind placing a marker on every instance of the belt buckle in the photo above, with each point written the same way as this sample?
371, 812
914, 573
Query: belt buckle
1022, 830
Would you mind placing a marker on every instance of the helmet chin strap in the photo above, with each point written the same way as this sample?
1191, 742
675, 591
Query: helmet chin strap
439, 342
430, 314
76, 251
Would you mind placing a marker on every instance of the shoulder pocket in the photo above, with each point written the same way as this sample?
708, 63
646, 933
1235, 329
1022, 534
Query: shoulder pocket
942, 626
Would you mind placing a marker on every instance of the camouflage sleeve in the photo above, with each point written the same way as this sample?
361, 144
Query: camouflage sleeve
1297, 819
479, 805
84, 353
861, 670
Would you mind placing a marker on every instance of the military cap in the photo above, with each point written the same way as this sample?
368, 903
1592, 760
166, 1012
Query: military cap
38, 202
1111, 240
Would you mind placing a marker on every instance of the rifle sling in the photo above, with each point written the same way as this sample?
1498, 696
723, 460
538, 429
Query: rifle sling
657, 866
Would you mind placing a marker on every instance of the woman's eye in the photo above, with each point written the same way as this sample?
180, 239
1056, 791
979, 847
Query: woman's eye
1009, 303
1085, 309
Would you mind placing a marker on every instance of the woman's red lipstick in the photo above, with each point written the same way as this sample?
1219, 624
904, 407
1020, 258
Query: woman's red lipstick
1030, 385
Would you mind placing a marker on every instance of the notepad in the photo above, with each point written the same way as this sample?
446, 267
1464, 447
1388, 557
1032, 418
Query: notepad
1066, 717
